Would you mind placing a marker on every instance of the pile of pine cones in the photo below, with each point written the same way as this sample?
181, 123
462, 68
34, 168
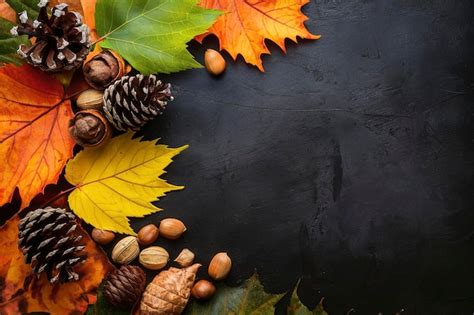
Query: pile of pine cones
117, 98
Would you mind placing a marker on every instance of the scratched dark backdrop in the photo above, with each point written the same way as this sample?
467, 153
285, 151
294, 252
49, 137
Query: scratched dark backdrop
348, 163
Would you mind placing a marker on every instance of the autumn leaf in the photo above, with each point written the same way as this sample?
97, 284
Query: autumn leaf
297, 308
249, 298
88, 7
119, 180
7, 12
38, 295
152, 35
34, 139
247, 23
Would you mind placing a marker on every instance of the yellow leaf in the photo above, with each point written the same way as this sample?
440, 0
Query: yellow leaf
119, 180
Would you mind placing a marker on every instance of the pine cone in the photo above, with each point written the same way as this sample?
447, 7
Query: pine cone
169, 291
51, 244
132, 101
62, 41
124, 286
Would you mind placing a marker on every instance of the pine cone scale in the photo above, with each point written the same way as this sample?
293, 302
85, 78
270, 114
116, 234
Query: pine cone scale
62, 41
50, 245
132, 101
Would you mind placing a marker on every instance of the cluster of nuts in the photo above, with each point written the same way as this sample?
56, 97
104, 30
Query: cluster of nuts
89, 127
127, 250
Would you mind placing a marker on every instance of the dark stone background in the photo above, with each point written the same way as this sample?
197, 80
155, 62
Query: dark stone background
348, 163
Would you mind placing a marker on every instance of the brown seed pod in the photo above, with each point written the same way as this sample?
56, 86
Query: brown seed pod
219, 266
102, 237
203, 290
169, 291
148, 234
171, 228
89, 128
214, 62
103, 68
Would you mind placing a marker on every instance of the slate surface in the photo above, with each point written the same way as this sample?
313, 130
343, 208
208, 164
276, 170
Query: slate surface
349, 163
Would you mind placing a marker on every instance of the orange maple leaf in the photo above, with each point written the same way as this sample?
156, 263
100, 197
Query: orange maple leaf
7, 12
88, 6
245, 25
39, 295
34, 139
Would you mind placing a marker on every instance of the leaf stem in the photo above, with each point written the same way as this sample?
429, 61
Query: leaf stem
54, 198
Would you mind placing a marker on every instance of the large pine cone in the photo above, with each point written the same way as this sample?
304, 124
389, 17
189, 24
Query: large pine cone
62, 41
132, 101
124, 286
169, 291
51, 244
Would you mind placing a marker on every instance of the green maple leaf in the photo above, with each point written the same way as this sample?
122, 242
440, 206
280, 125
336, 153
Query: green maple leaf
297, 308
30, 6
152, 34
8, 43
249, 298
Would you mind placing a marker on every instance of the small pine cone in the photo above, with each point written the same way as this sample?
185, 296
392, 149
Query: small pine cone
51, 244
124, 286
62, 41
132, 101
169, 291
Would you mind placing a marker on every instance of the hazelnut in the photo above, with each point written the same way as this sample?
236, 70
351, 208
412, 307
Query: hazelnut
203, 290
90, 99
126, 250
89, 128
102, 237
219, 266
171, 228
185, 258
214, 62
154, 257
148, 234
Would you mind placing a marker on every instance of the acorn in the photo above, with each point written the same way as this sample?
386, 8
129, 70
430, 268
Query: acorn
220, 266
171, 228
102, 237
203, 290
214, 62
148, 234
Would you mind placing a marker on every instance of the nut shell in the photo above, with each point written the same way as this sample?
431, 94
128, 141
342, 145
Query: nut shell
172, 228
154, 258
89, 128
219, 266
90, 99
102, 237
203, 290
148, 234
103, 67
214, 62
185, 258
126, 250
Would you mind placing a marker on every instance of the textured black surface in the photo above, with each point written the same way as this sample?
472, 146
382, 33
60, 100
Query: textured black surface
348, 163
